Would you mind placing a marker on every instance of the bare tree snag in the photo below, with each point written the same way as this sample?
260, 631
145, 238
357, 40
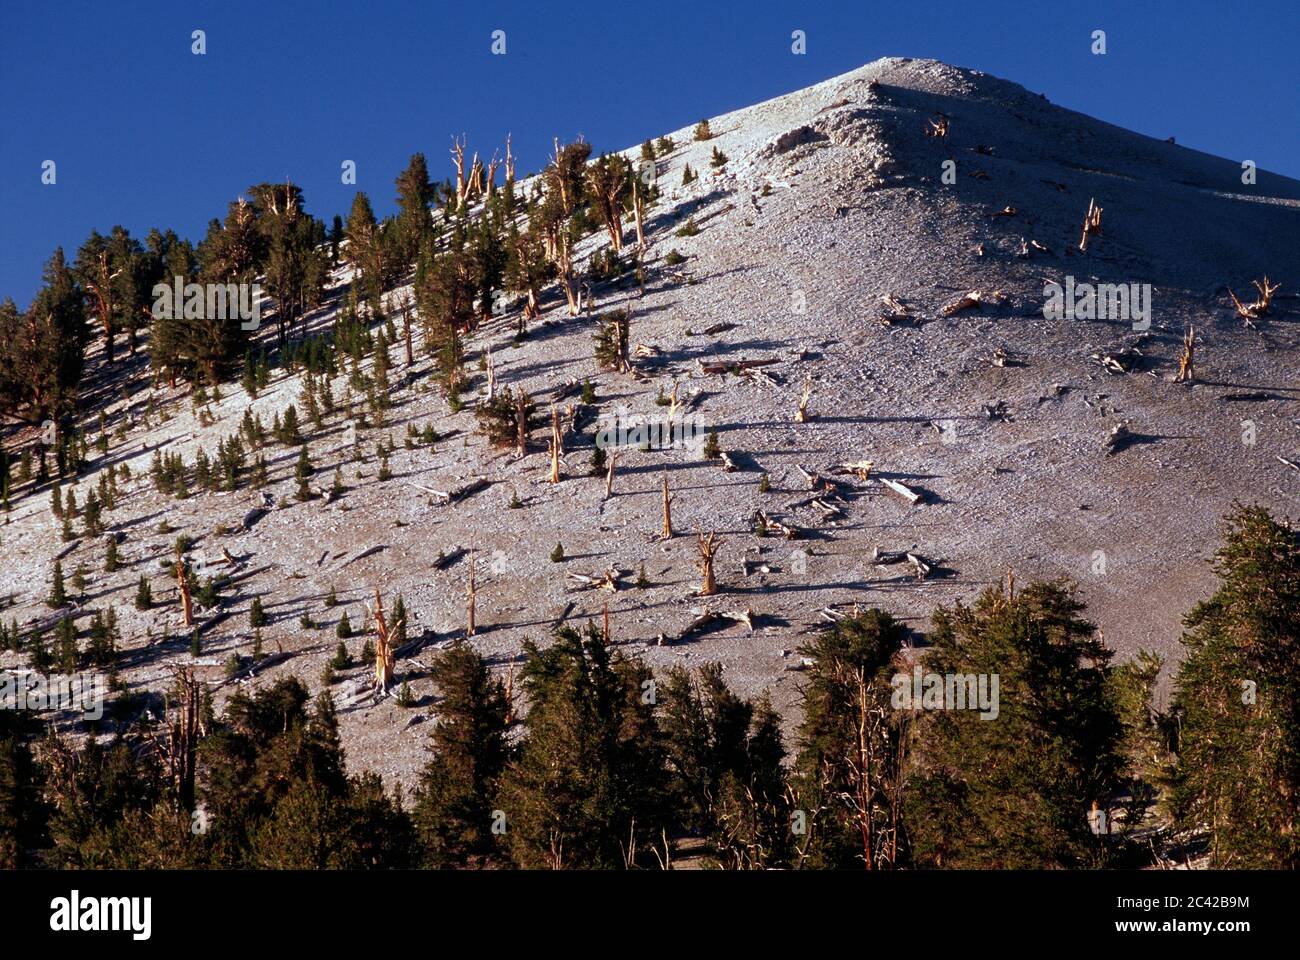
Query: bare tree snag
604, 630
801, 415
609, 475
708, 547
1258, 307
458, 158
404, 307
510, 162
1187, 363
521, 422
471, 598
726, 462
668, 513
1091, 224
178, 752
383, 648
937, 126
557, 445
183, 585
491, 376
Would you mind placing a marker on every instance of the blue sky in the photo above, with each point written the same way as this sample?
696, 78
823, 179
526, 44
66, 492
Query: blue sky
144, 133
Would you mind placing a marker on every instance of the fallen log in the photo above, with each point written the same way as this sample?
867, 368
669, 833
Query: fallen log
768, 524
859, 468
902, 490
735, 366
975, 298
609, 580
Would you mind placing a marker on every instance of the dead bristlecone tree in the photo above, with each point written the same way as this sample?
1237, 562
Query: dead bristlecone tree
1091, 224
708, 547
1187, 363
668, 513
183, 586
609, 476
801, 415
471, 601
1259, 306
557, 445
383, 648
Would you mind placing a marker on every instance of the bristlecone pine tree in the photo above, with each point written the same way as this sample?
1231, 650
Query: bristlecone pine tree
453, 801
1237, 701
851, 743
1035, 787
589, 780
724, 754
612, 341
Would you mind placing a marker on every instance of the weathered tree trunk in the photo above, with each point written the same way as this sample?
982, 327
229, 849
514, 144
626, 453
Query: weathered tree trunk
383, 648
183, 585
708, 549
471, 600
668, 513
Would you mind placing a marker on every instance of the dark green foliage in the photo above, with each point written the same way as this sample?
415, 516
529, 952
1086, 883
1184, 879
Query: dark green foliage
612, 337
341, 660
589, 781
453, 802
849, 761
58, 592
1016, 791
1237, 701
724, 754
712, 449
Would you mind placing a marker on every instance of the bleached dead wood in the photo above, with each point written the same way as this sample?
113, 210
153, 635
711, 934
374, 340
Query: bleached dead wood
902, 490
859, 468
801, 415
768, 524
919, 566
609, 580
1118, 438
975, 298
1260, 305
735, 366
1091, 224
707, 617
727, 463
